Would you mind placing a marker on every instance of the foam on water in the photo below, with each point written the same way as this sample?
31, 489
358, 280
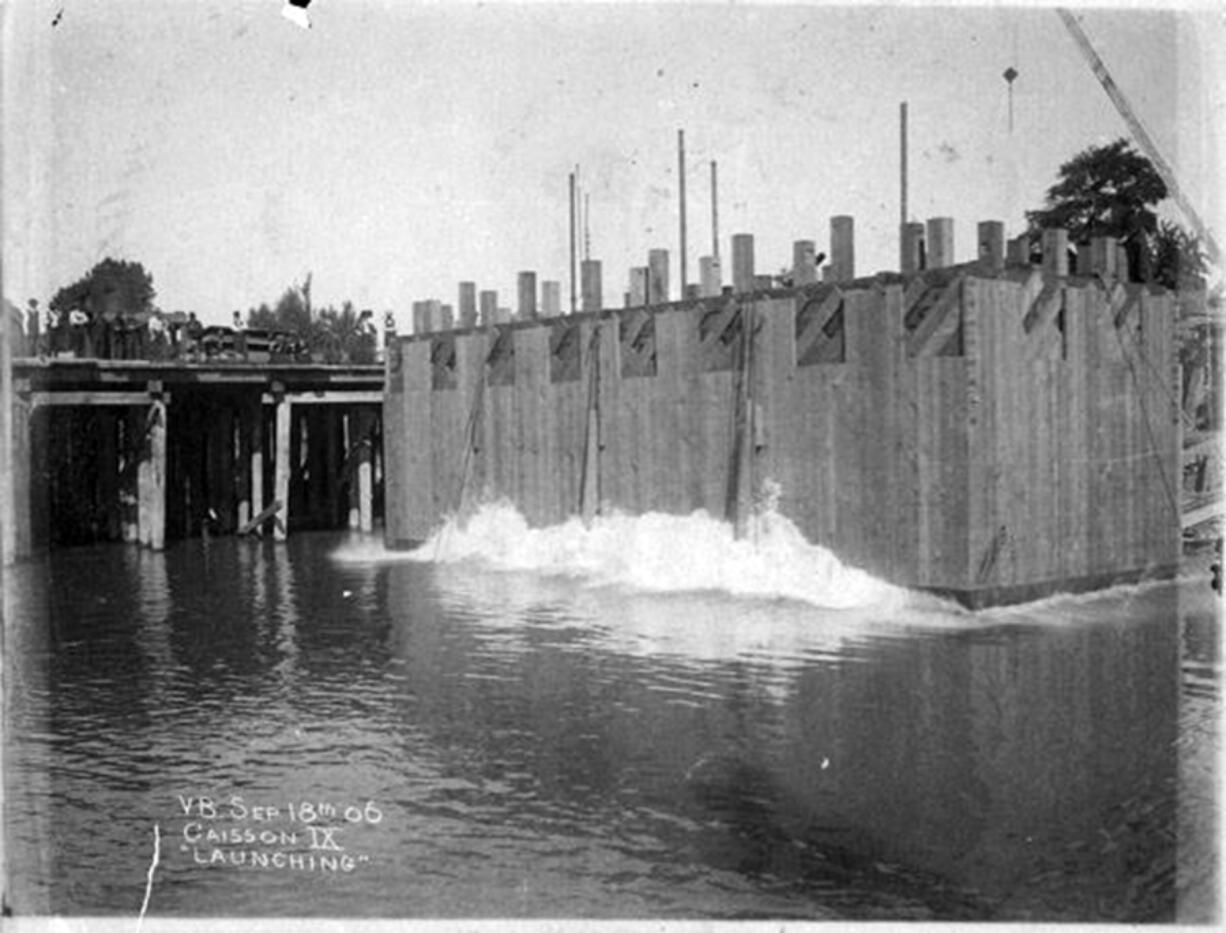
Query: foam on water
656, 553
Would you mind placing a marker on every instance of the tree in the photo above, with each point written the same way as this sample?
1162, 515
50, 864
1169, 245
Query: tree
1111, 191
332, 335
112, 288
1179, 261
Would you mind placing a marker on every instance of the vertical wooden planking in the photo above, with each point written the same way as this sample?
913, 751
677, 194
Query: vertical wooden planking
1004, 317
925, 457
1057, 419
418, 491
522, 428
1072, 532
394, 443
980, 531
850, 413
900, 495
672, 431
906, 389
777, 409
955, 474
612, 472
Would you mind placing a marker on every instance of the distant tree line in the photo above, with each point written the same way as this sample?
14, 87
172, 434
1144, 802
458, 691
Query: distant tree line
330, 334
109, 313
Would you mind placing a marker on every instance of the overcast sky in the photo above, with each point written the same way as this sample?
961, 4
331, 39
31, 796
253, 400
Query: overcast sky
397, 148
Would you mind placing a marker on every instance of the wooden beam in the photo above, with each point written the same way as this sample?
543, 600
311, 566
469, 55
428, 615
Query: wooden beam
89, 398
1193, 517
335, 397
938, 324
256, 523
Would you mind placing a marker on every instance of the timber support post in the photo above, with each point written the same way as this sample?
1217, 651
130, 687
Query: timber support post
365, 432
281, 450
151, 475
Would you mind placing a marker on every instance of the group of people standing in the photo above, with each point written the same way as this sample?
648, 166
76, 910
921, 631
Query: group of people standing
141, 335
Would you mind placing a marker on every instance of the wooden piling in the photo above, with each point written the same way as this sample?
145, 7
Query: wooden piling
129, 491
527, 296
657, 276
433, 315
551, 298
421, 317
1084, 261
709, 274
255, 447
939, 243
742, 262
349, 426
242, 465
1017, 252
593, 300
842, 248
468, 304
489, 307
1102, 256
281, 453
151, 479
912, 235
1055, 252
804, 262
992, 245
365, 471
639, 277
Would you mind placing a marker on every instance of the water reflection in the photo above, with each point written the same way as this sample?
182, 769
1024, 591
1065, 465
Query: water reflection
544, 748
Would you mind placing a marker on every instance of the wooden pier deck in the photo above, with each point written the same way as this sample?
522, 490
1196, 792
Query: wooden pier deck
140, 450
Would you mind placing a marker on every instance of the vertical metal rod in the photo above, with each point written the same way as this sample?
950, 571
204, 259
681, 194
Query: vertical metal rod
587, 228
681, 178
572, 243
714, 214
902, 130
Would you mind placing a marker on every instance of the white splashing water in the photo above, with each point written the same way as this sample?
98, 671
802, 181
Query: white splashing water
659, 553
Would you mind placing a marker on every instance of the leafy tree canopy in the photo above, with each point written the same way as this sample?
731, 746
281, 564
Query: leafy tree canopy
1111, 191
331, 334
1103, 191
113, 288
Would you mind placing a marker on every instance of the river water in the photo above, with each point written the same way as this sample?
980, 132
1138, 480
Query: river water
642, 720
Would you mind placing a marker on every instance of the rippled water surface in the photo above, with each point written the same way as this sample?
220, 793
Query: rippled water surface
511, 743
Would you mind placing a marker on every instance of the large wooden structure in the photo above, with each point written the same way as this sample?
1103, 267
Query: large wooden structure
995, 432
144, 451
